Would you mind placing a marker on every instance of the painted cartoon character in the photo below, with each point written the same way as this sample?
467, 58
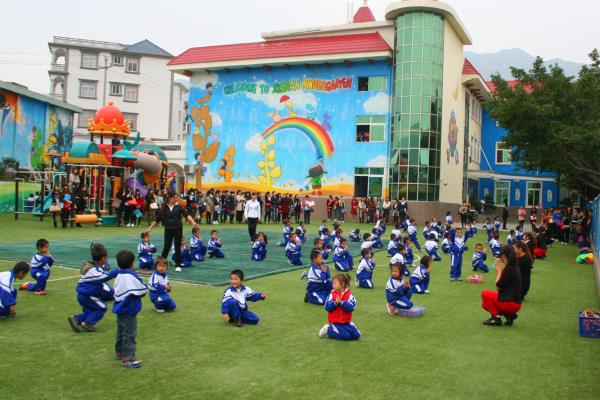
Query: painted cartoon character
285, 99
203, 120
452, 151
275, 116
326, 125
311, 111
37, 148
315, 174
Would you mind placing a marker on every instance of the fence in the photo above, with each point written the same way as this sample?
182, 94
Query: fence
595, 233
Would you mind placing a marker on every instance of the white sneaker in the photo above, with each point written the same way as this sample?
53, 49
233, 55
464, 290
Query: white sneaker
160, 311
178, 269
427, 291
323, 331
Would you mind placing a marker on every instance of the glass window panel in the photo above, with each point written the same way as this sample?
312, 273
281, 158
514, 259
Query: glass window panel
423, 174
415, 121
415, 104
363, 119
418, 36
422, 193
417, 70
413, 157
415, 89
405, 104
425, 122
428, 19
426, 82
407, 53
417, 54
428, 36
377, 133
405, 122
409, 19
428, 53
414, 139
418, 20
407, 70
376, 171
412, 192
378, 119
403, 174
361, 171
403, 158
404, 139
408, 35
431, 176
413, 174
424, 157
424, 143
402, 189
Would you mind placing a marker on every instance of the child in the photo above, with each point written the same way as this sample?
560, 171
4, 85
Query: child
354, 235
342, 258
293, 250
287, 230
397, 291
409, 257
470, 231
160, 288
259, 247
426, 230
367, 242
326, 238
497, 224
446, 243
397, 230
214, 246
449, 220
90, 289
197, 248
392, 247
40, 268
412, 233
319, 283
186, 255
457, 248
302, 234
364, 273
8, 294
419, 280
145, 250
399, 259
519, 234
129, 290
339, 304
431, 247
322, 227
376, 239
233, 306
489, 228
510, 239
479, 258
495, 245
380, 227
318, 246
337, 239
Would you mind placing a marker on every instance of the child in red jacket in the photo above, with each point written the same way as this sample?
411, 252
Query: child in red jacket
339, 304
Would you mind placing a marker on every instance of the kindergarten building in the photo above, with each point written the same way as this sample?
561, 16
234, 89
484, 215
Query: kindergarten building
368, 108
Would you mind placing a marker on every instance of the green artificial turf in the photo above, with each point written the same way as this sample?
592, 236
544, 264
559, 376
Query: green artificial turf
192, 354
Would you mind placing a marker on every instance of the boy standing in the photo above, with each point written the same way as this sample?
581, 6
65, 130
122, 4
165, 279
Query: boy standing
129, 289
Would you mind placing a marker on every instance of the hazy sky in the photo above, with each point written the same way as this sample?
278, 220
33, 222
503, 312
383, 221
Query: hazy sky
567, 30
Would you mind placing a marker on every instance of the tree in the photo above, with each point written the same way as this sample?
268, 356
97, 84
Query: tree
553, 120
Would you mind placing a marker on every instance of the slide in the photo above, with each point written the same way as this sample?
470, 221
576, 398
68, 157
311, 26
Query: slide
47, 204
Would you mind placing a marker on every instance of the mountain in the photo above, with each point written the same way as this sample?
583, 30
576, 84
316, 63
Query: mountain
500, 62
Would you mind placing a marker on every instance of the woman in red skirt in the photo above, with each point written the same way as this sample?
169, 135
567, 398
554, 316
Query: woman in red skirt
506, 300
354, 208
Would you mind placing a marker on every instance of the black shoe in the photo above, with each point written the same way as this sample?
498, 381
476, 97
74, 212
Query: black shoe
306, 297
238, 322
494, 321
510, 319
73, 323
87, 327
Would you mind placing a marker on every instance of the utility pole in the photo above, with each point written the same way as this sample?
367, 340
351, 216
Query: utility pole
105, 68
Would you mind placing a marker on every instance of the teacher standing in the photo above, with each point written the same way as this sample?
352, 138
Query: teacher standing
170, 215
252, 214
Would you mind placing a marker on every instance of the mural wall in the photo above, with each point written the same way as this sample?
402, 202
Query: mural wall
288, 129
30, 128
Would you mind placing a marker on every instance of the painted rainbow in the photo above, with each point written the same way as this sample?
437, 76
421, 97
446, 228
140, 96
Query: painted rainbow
318, 136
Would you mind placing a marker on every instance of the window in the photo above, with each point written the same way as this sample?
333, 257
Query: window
501, 193
371, 83
131, 93
370, 128
115, 89
133, 65
117, 60
132, 119
82, 122
87, 89
476, 111
534, 192
89, 60
368, 182
474, 151
502, 154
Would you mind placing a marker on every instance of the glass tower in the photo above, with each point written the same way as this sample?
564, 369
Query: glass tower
417, 106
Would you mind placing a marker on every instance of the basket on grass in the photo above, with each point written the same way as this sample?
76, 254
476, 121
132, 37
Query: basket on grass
475, 279
413, 312
589, 323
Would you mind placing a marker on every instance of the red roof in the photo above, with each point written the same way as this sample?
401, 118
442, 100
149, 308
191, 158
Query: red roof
469, 69
357, 43
511, 84
363, 14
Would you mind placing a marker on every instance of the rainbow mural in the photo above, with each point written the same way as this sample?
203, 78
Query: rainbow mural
315, 133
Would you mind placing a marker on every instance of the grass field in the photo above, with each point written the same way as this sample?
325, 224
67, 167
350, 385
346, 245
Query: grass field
192, 354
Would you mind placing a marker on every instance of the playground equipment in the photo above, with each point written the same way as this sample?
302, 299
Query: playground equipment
102, 167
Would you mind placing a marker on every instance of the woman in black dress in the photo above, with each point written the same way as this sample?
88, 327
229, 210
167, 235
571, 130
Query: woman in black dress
525, 263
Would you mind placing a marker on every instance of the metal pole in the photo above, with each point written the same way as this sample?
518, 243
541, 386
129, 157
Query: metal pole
42, 192
104, 83
17, 190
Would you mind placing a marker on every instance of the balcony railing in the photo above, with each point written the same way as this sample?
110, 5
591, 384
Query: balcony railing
58, 67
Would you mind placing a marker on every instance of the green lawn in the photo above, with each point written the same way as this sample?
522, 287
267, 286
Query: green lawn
192, 354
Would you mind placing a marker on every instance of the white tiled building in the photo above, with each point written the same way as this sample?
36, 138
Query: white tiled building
90, 73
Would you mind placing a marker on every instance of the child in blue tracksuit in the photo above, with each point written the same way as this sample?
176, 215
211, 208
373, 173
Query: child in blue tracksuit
129, 290
367, 242
186, 255
376, 239
8, 294
446, 243
340, 304
145, 251
495, 245
160, 288
397, 291
392, 247
287, 230
364, 273
318, 245
427, 230
337, 239
259, 247
197, 247
40, 268
510, 239
431, 247
234, 307
470, 231
458, 246
489, 228
380, 227
497, 224
326, 238
342, 259
419, 280
409, 257
322, 227
90, 290
399, 259
301, 232
479, 258
519, 234
293, 251
412, 233
354, 235
214, 246
319, 280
